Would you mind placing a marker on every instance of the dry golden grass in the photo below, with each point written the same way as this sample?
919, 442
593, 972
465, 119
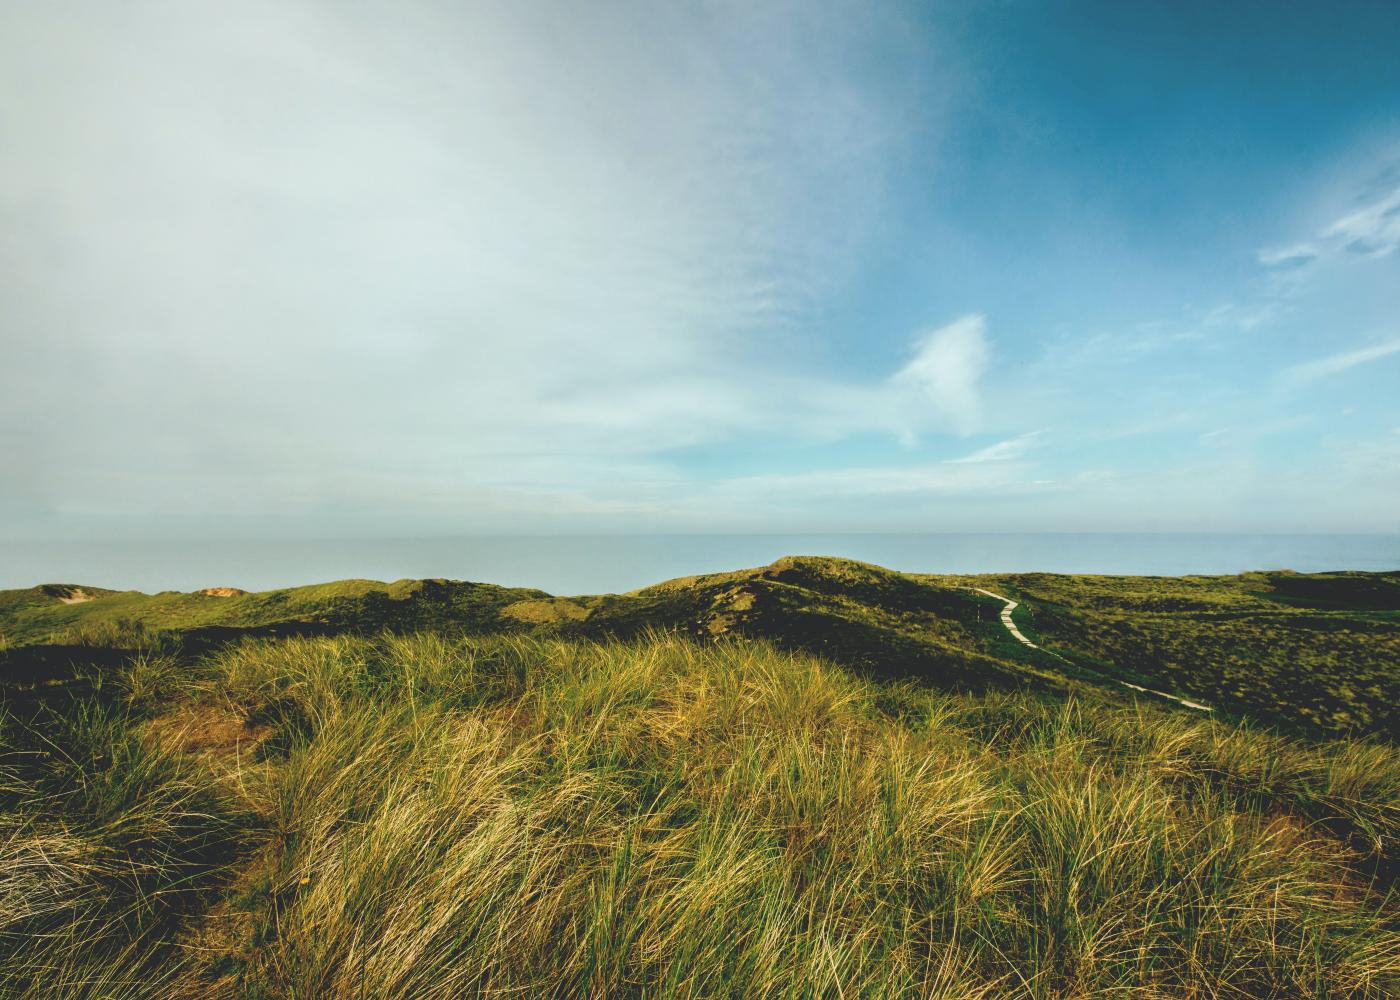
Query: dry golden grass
434, 817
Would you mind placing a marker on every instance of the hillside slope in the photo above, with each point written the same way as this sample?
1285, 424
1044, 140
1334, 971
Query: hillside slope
1317, 653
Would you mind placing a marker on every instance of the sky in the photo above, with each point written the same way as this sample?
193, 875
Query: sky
292, 268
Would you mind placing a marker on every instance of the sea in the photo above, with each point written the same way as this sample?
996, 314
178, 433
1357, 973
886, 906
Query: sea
593, 564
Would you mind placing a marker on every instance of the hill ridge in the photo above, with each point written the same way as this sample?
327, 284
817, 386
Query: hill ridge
1193, 637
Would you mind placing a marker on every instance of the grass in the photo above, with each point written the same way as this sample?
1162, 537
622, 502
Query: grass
433, 814
38, 615
108, 844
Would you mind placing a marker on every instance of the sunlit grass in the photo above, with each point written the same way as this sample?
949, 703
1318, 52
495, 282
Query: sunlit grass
440, 817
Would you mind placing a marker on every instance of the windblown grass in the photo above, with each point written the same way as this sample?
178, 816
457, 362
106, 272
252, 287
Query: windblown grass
106, 846
442, 817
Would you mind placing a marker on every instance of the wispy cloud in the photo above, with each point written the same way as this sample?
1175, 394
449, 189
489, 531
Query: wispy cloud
1244, 316
1370, 230
1002, 451
1335, 364
934, 479
1293, 255
945, 373
1000, 470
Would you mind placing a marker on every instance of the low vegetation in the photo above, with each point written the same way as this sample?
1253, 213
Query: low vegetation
724, 786
1319, 652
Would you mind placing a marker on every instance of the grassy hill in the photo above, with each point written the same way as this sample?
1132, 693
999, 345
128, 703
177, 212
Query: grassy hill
816, 778
1307, 653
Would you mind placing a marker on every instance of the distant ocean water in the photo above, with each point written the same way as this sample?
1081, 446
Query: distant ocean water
583, 564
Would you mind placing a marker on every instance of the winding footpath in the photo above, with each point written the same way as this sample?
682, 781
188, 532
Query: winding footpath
1006, 617
1010, 606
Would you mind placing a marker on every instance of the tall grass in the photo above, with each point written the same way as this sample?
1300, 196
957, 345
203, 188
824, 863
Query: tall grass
520, 816
106, 844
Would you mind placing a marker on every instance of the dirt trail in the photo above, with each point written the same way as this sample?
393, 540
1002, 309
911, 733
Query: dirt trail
1006, 620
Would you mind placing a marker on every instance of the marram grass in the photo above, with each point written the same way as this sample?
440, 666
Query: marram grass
428, 817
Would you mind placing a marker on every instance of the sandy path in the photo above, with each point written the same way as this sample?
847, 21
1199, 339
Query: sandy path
1006, 616
1006, 620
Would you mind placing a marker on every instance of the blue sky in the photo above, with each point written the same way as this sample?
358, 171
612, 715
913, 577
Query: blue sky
290, 268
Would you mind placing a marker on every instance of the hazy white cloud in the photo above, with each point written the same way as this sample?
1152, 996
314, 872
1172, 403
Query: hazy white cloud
283, 254
946, 371
1335, 364
493, 263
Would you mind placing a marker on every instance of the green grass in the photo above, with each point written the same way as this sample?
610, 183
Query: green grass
445, 815
37, 615
1317, 653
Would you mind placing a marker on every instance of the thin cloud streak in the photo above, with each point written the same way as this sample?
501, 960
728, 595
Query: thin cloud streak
1373, 230
1335, 364
1002, 451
